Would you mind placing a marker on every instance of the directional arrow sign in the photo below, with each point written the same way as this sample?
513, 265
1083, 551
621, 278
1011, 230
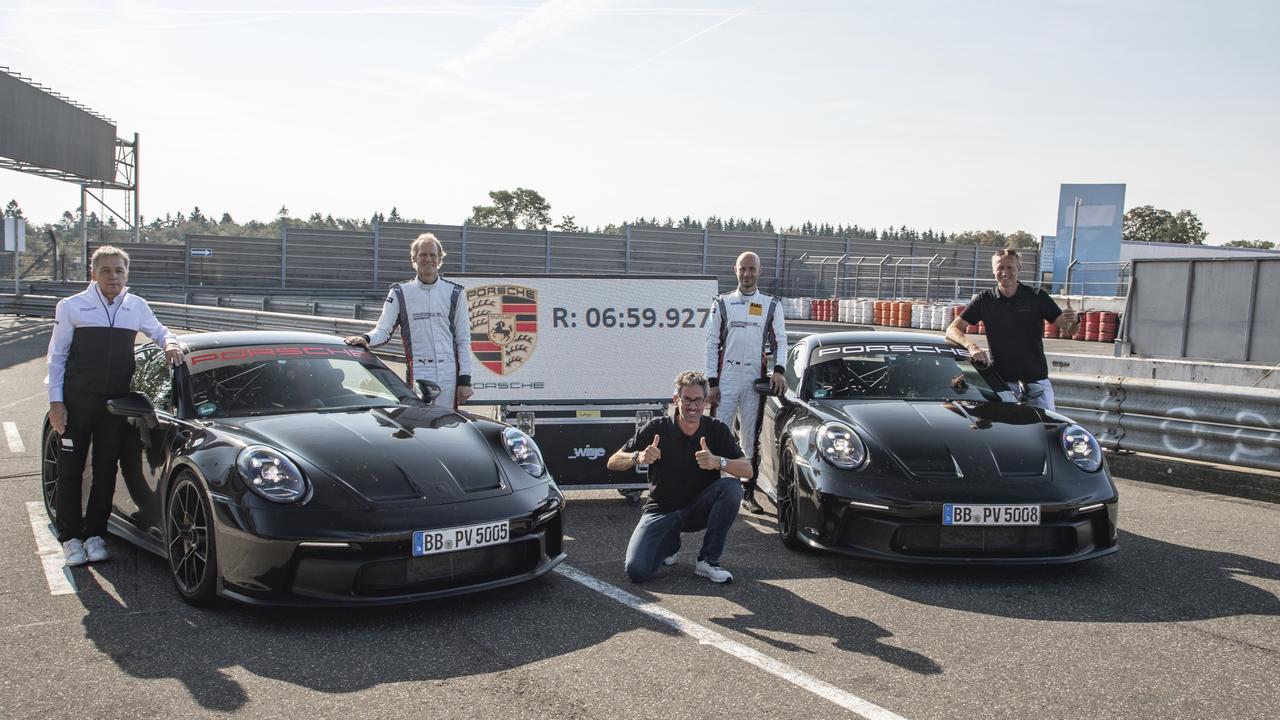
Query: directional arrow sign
201, 252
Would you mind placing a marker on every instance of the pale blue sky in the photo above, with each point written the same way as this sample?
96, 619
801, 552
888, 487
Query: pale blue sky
950, 115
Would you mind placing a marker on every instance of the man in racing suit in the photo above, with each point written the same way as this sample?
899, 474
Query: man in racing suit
431, 313
90, 362
745, 326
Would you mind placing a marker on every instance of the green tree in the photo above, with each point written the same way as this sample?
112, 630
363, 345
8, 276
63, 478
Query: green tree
568, 224
394, 216
12, 209
511, 209
1255, 244
1147, 223
1189, 228
1023, 240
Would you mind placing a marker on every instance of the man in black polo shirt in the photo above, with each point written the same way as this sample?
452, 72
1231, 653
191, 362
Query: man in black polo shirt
1013, 313
691, 457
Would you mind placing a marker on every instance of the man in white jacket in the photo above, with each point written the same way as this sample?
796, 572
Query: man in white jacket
745, 326
90, 362
431, 313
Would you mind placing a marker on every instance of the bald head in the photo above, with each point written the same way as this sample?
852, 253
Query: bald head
747, 268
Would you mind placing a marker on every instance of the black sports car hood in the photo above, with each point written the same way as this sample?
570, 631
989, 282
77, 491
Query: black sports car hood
386, 455
950, 439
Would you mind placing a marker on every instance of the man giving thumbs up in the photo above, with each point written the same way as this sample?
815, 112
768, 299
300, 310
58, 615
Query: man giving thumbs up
694, 462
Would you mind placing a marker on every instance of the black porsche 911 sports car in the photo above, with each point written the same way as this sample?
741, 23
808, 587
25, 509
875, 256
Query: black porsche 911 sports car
289, 468
895, 446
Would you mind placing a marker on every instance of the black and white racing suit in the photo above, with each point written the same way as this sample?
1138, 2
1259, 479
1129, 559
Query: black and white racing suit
91, 361
436, 331
742, 330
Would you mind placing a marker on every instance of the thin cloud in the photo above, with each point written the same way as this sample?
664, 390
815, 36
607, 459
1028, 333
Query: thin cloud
546, 22
694, 36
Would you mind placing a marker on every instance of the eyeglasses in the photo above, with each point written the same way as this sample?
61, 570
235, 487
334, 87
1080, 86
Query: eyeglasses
693, 401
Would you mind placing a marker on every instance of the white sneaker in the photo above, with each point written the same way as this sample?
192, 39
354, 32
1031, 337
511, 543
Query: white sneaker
670, 559
96, 548
73, 551
714, 573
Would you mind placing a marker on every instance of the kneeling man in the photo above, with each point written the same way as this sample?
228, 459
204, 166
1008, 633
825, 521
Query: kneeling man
691, 457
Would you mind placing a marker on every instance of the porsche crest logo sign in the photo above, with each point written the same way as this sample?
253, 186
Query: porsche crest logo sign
504, 325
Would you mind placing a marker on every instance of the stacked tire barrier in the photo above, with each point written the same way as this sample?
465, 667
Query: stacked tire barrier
796, 308
1094, 327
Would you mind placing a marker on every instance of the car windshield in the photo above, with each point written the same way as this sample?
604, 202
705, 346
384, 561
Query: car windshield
272, 379
926, 372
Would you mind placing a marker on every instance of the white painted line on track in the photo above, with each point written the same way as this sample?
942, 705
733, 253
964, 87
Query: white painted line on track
824, 690
15, 439
49, 549
22, 400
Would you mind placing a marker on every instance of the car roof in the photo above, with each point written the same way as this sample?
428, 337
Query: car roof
236, 338
874, 336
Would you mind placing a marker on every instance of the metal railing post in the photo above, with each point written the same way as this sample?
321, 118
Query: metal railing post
706, 247
284, 251
377, 230
547, 232
626, 258
463, 267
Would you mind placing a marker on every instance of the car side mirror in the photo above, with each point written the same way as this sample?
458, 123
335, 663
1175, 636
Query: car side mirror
428, 390
134, 404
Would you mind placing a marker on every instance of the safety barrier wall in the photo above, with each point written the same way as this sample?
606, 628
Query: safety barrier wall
1217, 309
1197, 421
305, 259
1211, 423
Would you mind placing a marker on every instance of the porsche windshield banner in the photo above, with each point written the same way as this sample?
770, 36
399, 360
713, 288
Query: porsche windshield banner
584, 338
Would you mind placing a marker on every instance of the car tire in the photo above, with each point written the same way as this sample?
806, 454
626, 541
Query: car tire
788, 503
49, 472
189, 541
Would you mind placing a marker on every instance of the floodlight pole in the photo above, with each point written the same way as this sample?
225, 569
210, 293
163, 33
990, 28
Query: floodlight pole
1071, 249
137, 192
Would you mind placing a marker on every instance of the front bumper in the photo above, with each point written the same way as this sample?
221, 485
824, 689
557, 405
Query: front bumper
915, 534
269, 559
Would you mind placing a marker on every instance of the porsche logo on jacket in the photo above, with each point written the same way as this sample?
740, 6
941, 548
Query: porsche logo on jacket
504, 325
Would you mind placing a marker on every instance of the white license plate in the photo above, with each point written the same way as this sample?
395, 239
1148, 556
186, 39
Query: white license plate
953, 514
434, 542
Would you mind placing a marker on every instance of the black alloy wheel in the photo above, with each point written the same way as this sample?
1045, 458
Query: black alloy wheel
788, 503
189, 541
49, 473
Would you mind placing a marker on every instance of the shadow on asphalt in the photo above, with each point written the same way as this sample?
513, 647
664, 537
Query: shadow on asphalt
23, 339
755, 559
150, 634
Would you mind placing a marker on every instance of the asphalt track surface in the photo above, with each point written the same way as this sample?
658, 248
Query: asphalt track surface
1182, 623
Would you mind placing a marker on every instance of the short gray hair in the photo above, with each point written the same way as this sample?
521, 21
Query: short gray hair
690, 378
108, 251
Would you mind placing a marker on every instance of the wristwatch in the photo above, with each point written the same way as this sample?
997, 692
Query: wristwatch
723, 462
635, 457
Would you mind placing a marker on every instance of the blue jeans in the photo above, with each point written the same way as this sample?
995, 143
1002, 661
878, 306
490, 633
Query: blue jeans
657, 535
1039, 394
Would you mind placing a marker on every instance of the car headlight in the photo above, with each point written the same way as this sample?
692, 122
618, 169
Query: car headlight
841, 446
270, 474
524, 451
1081, 448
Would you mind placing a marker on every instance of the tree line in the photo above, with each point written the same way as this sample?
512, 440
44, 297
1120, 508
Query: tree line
524, 208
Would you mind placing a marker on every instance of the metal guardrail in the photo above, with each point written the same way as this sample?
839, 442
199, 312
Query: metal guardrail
1212, 423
